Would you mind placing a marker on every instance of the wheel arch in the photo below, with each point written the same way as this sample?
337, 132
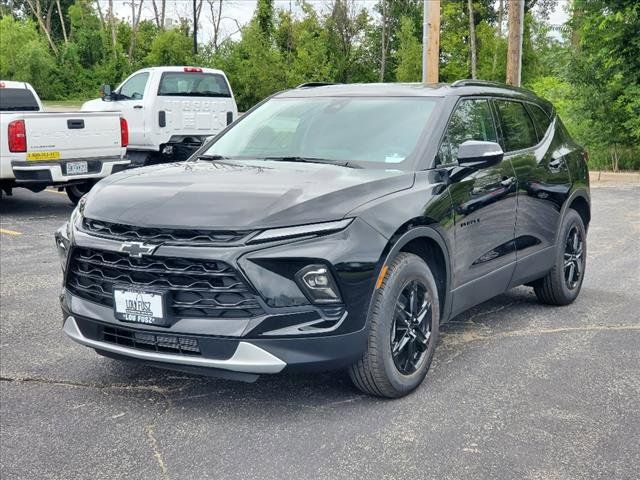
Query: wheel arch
581, 205
579, 201
427, 243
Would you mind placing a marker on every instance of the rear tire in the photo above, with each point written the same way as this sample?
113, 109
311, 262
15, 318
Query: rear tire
403, 330
562, 284
77, 190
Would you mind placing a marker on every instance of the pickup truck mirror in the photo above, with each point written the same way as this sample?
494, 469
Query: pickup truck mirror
105, 92
477, 154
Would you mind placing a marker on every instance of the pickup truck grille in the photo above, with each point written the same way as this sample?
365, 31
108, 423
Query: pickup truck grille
119, 231
195, 288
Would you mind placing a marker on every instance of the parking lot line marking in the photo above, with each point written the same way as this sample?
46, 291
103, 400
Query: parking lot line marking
9, 232
55, 191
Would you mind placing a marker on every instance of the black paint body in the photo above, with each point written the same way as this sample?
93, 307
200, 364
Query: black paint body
482, 231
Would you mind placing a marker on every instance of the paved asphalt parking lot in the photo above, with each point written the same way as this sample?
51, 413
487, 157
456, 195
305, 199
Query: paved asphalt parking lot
516, 389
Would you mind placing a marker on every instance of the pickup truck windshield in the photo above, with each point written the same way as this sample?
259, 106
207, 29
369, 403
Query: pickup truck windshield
17, 100
372, 132
192, 84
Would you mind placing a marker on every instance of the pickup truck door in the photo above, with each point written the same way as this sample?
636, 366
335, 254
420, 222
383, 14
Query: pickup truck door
484, 203
130, 103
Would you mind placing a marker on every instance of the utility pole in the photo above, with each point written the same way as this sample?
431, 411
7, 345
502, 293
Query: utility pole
430, 41
195, 27
514, 49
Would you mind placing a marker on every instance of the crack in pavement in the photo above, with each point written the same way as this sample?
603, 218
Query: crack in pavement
452, 339
66, 383
150, 431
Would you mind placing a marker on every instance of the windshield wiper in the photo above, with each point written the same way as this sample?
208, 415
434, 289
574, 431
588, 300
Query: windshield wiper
213, 157
311, 160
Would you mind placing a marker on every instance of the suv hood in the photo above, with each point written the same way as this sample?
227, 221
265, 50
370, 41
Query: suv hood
238, 195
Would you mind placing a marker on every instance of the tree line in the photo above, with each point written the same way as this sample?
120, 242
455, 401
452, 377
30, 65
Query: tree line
589, 67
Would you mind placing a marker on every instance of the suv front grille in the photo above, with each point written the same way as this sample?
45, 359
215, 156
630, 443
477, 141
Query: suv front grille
154, 342
195, 288
119, 231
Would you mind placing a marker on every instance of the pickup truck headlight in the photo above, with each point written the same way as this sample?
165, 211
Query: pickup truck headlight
64, 235
301, 230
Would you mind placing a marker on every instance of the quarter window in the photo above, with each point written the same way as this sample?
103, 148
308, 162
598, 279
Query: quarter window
472, 120
133, 89
518, 131
541, 120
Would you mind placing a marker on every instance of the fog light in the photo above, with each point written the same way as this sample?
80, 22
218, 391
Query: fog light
318, 285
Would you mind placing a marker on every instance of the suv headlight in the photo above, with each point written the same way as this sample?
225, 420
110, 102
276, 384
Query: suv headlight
301, 230
64, 235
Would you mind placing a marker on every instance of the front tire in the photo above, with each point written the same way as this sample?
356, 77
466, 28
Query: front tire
403, 330
562, 284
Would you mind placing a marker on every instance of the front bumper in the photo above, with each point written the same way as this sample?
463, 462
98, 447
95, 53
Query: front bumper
246, 358
295, 336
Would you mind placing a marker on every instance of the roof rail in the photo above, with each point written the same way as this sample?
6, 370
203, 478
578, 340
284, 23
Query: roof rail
468, 82
315, 84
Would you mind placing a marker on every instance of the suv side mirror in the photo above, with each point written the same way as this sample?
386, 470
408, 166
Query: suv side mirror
478, 154
105, 92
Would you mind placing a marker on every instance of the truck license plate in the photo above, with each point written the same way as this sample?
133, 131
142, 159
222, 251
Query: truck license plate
77, 168
131, 305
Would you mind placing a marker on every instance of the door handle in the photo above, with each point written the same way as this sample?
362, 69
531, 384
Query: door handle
137, 106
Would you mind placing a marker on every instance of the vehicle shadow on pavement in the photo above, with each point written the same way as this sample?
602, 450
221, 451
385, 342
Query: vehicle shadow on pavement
315, 390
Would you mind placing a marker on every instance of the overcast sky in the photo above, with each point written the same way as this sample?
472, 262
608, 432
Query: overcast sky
242, 11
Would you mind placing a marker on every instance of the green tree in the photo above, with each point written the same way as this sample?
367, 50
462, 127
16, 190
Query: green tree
409, 54
170, 47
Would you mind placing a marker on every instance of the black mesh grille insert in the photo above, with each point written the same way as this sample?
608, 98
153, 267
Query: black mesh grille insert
151, 341
195, 288
167, 235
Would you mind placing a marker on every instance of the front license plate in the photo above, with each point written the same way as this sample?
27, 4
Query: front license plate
132, 305
35, 156
77, 168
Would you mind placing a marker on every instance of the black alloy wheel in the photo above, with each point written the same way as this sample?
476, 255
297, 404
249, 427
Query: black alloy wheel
411, 328
573, 258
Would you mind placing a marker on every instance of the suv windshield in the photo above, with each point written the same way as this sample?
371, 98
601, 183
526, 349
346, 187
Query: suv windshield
371, 131
17, 100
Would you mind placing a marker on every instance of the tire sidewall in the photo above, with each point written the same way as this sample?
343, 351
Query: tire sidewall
571, 219
410, 268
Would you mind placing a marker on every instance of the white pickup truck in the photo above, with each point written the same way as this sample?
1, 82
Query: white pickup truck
66, 150
170, 110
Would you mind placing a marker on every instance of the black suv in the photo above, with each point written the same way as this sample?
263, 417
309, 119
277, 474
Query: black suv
331, 226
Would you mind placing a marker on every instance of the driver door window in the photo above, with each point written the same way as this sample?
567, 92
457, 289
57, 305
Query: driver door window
133, 89
471, 120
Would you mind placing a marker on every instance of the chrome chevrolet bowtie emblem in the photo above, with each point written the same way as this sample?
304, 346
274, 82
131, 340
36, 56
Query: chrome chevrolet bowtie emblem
138, 249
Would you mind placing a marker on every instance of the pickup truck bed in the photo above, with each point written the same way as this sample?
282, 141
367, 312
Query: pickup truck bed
67, 150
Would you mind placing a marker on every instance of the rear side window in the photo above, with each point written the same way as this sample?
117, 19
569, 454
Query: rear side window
518, 131
540, 118
193, 84
17, 100
471, 120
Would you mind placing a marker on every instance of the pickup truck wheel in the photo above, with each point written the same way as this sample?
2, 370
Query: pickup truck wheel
76, 191
562, 284
403, 330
